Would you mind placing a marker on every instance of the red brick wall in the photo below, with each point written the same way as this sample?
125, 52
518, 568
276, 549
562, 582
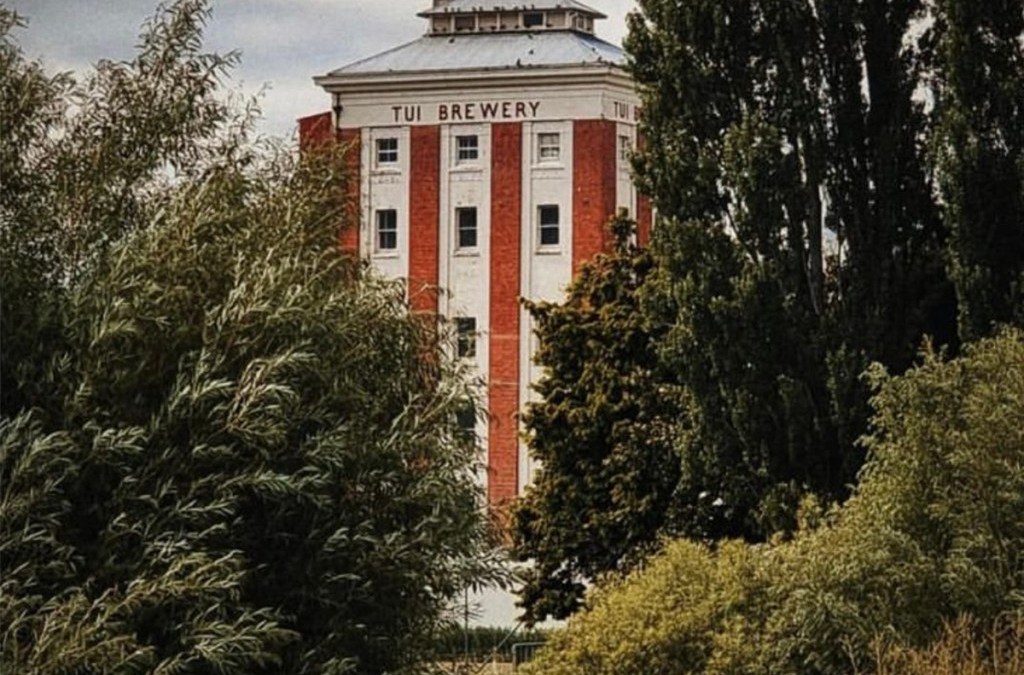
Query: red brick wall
318, 130
506, 207
315, 130
349, 238
643, 220
644, 217
593, 188
424, 214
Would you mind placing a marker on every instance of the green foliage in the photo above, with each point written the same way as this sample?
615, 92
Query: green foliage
602, 433
934, 531
837, 181
979, 148
769, 123
77, 160
799, 240
666, 618
224, 451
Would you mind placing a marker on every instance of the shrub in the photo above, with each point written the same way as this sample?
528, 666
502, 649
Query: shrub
934, 530
672, 616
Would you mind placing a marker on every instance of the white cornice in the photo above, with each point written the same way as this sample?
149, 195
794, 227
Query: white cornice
453, 80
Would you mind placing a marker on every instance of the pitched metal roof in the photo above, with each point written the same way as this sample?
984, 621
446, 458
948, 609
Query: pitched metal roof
476, 6
490, 51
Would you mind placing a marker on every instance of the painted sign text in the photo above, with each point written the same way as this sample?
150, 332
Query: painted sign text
484, 111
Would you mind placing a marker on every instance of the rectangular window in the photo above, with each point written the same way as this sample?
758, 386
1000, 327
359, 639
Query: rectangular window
387, 230
465, 23
465, 419
465, 226
549, 147
467, 149
533, 19
625, 147
465, 332
387, 151
547, 217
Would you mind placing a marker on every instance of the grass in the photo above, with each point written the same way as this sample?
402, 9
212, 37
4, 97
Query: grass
965, 648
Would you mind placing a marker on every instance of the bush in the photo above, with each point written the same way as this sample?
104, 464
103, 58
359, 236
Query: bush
934, 530
667, 617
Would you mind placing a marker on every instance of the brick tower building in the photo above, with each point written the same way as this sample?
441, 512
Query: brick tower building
490, 154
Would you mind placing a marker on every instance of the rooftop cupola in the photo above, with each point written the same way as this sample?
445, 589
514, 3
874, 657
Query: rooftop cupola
451, 17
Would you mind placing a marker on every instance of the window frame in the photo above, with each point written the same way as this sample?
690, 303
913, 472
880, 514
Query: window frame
472, 155
625, 147
380, 151
533, 19
582, 23
543, 146
465, 337
465, 421
542, 227
461, 227
379, 232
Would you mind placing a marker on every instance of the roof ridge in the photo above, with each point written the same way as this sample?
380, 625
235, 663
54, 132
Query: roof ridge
480, 6
488, 51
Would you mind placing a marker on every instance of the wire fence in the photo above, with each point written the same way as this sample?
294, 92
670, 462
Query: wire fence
490, 651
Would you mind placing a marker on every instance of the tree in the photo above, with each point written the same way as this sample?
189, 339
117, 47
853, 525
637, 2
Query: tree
979, 148
75, 159
602, 433
773, 128
225, 450
800, 239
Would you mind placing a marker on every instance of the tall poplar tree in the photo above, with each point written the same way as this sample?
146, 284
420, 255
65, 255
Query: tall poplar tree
799, 238
979, 152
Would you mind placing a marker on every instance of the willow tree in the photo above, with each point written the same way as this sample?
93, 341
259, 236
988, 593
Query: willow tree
221, 448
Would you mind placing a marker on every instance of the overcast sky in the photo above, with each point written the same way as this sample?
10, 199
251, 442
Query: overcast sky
283, 43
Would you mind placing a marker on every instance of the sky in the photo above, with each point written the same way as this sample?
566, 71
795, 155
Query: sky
283, 43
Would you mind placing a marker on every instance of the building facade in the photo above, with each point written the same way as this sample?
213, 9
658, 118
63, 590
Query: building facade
488, 156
